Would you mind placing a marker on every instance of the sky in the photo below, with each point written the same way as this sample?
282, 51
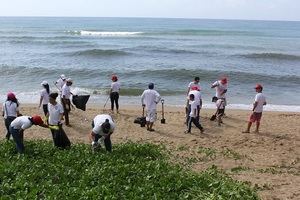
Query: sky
208, 9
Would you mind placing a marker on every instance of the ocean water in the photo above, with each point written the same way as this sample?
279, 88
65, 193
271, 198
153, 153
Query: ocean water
168, 52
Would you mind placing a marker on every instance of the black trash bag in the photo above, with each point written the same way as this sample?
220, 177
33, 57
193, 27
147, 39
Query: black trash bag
60, 138
80, 101
141, 121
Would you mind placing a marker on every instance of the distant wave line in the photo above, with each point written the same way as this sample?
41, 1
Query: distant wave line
104, 33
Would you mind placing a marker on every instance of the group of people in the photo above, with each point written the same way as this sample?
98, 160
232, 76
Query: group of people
103, 125
194, 104
56, 113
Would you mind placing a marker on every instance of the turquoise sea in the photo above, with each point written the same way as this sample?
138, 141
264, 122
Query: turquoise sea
168, 52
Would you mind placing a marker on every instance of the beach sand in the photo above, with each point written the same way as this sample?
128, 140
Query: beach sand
269, 159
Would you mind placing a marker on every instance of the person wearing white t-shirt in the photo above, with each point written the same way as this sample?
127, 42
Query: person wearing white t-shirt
221, 89
259, 103
19, 125
55, 117
103, 126
44, 97
194, 83
193, 115
10, 110
60, 83
114, 93
220, 104
150, 98
198, 99
66, 95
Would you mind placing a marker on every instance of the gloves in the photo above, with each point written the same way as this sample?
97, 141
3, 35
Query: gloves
94, 144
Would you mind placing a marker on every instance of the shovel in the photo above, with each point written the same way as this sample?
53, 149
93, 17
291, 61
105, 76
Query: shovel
143, 119
163, 120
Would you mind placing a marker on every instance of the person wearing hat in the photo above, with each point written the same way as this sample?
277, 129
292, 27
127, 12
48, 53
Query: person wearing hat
66, 95
19, 125
44, 97
259, 103
150, 98
10, 110
103, 126
55, 117
114, 93
194, 83
60, 82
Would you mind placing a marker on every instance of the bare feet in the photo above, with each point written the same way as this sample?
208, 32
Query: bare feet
245, 131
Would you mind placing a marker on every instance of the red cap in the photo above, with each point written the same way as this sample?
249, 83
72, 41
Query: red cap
114, 78
258, 86
37, 120
224, 80
11, 96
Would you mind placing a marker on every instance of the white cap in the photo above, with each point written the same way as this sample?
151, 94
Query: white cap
44, 83
63, 76
70, 80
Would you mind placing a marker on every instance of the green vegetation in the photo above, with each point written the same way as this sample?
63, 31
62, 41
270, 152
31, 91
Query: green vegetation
209, 152
131, 171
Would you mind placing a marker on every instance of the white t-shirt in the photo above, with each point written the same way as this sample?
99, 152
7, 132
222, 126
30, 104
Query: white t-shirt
193, 112
60, 83
66, 91
220, 88
45, 96
192, 84
115, 87
150, 98
11, 108
260, 99
22, 122
220, 104
99, 120
54, 113
197, 95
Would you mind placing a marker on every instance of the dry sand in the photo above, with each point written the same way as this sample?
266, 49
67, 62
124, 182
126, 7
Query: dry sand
270, 159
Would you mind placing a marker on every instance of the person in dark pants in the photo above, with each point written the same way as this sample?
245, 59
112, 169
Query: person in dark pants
19, 125
66, 94
103, 126
10, 111
44, 99
193, 116
114, 93
55, 117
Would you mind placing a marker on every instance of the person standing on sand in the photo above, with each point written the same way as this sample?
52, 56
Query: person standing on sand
19, 125
150, 98
55, 117
66, 95
194, 83
221, 89
60, 83
193, 115
114, 93
103, 126
44, 97
259, 103
198, 99
10, 110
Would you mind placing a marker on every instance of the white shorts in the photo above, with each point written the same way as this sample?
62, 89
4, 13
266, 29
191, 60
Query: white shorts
151, 115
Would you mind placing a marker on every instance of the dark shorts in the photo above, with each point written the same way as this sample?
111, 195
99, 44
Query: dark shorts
255, 117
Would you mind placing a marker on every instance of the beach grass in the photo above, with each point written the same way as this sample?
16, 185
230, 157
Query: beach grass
131, 171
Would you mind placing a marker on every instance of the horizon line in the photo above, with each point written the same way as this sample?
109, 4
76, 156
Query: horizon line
230, 19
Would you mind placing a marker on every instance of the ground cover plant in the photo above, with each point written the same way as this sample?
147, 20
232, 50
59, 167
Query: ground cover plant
131, 171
